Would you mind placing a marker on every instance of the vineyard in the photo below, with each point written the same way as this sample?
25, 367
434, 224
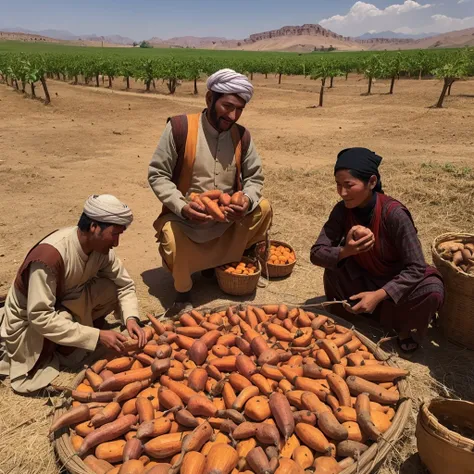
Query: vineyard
25, 70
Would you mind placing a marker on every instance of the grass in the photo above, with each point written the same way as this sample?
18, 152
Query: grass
31, 47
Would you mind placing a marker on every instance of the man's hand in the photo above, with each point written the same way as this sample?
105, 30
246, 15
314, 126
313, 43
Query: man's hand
193, 212
233, 212
368, 301
364, 242
112, 340
136, 332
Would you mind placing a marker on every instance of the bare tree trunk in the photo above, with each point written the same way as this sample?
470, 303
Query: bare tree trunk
58, 77
370, 86
195, 86
128, 82
76, 80
347, 75
331, 83
97, 80
148, 84
323, 81
103, 80
23, 85
447, 83
154, 85
172, 85
392, 84
279, 78
16, 85
33, 93
449, 88
251, 76
110, 82
420, 75
47, 98
86, 80
321, 93
266, 75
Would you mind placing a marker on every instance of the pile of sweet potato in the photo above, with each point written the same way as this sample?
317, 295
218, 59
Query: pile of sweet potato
260, 390
459, 253
216, 203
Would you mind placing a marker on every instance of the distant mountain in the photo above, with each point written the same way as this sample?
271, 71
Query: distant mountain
68, 36
393, 35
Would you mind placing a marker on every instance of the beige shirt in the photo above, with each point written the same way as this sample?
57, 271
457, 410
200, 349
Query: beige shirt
214, 168
27, 321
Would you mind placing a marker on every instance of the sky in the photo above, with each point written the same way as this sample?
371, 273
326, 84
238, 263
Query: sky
234, 19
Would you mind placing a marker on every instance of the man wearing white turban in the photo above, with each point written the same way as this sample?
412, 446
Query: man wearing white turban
67, 284
198, 153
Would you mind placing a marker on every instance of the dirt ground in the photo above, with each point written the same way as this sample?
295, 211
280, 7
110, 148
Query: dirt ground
93, 140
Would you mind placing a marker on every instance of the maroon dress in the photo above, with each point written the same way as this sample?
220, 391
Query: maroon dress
396, 263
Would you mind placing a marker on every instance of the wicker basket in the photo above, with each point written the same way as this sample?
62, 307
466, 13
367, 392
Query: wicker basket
442, 450
368, 462
457, 313
274, 271
238, 285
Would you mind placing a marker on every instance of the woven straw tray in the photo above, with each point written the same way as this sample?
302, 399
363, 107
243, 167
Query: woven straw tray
368, 462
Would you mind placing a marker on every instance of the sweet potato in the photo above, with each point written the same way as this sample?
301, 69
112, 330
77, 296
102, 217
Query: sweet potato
326, 465
99, 466
86, 397
246, 394
213, 209
165, 445
133, 449
193, 463
118, 381
364, 417
329, 425
267, 434
111, 451
107, 432
281, 412
376, 393
134, 466
145, 409
237, 198
200, 405
351, 449
183, 392
340, 388
258, 409
312, 437
108, 414
153, 428
131, 390
377, 373
71, 417
198, 352
120, 364
221, 459
258, 461
245, 430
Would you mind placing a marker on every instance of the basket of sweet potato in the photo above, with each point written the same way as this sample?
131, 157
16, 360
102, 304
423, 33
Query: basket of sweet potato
267, 389
277, 260
239, 278
453, 255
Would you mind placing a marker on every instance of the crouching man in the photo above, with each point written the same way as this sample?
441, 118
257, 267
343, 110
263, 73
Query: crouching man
62, 292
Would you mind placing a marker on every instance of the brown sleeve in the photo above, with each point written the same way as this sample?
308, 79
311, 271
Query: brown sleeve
326, 249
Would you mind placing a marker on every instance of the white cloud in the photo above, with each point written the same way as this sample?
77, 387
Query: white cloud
407, 17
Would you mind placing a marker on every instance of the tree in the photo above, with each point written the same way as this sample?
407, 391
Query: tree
145, 44
458, 68
371, 69
322, 70
390, 67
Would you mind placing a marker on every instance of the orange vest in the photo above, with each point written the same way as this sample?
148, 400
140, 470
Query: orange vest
185, 129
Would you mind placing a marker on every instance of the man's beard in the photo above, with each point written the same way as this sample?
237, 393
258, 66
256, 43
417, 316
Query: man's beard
217, 121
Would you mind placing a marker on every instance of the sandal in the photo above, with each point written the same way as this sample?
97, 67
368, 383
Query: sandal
403, 345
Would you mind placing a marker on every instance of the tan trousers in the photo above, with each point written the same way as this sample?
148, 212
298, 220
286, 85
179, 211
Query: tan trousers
183, 257
98, 299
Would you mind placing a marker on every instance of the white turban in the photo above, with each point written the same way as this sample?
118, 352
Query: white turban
107, 208
227, 81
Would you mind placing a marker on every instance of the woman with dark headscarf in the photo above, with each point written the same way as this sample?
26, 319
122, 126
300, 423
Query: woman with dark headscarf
371, 252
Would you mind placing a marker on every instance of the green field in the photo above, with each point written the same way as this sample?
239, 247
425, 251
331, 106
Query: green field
26, 47
28, 63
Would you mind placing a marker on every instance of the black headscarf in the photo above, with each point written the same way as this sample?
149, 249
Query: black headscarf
362, 163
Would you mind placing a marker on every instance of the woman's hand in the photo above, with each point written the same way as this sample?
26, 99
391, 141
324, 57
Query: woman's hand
368, 301
359, 239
